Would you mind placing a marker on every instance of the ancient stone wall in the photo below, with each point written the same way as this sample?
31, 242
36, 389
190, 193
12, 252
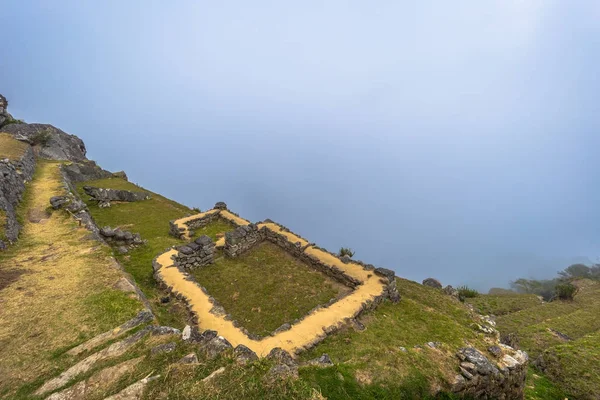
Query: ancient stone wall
196, 254
242, 239
502, 379
13, 176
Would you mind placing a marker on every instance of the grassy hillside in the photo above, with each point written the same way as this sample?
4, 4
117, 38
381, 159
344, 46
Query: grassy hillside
565, 333
149, 218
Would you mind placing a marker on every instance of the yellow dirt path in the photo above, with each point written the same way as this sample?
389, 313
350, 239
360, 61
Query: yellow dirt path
52, 304
303, 333
181, 223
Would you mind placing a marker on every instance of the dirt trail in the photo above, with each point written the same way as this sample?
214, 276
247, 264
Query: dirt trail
51, 305
303, 333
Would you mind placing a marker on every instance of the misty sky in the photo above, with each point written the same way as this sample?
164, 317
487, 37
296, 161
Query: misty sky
457, 140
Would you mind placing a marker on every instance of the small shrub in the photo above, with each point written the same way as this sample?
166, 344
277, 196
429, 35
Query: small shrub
465, 292
566, 291
13, 121
41, 138
196, 209
346, 251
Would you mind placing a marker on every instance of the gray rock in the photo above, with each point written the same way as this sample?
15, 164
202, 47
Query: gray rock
481, 363
220, 206
450, 291
59, 146
122, 250
216, 346
434, 283
281, 356
85, 170
281, 371
191, 358
244, 355
323, 361
102, 195
164, 348
192, 334
59, 201
496, 351
107, 231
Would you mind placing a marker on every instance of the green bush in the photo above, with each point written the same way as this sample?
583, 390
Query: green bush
566, 291
346, 251
13, 121
465, 292
196, 209
41, 138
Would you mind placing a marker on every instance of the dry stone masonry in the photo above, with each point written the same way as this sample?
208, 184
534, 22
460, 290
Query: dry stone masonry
196, 254
13, 176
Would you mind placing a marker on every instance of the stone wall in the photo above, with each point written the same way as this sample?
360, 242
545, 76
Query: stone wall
242, 239
194, 223
13, 176
502, 379
124, 240
196, 254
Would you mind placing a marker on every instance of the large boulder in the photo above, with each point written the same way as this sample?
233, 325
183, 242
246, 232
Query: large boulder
52, 142
431, 282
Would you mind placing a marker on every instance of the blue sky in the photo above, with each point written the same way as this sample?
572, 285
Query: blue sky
450, 139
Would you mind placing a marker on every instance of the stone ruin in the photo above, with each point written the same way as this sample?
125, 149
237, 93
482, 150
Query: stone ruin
123, 240
196, 254
105, 196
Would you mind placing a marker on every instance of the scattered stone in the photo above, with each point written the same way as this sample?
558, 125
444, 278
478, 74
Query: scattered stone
431, 282
560, 335
133, 392
164, 348
216, 346
323, 361
97, 382
281, 357
192, 334
496, 351
165, 299
433, 345
59, 201
214, 375
191, 358
510, 339
281, 371
403, 349
450, 291
244, 355
122, 250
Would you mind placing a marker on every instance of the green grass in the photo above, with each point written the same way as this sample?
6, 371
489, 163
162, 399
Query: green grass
216, 229
572, 365
149, 218
423, 315
11, 148
539, 387
266, 287
501, 304
575, 366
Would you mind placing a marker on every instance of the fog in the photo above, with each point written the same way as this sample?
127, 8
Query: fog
456, 140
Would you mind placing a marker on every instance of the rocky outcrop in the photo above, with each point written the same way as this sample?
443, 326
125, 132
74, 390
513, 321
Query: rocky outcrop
52, 143
105, 196
13, 176
86, 170
4, 115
